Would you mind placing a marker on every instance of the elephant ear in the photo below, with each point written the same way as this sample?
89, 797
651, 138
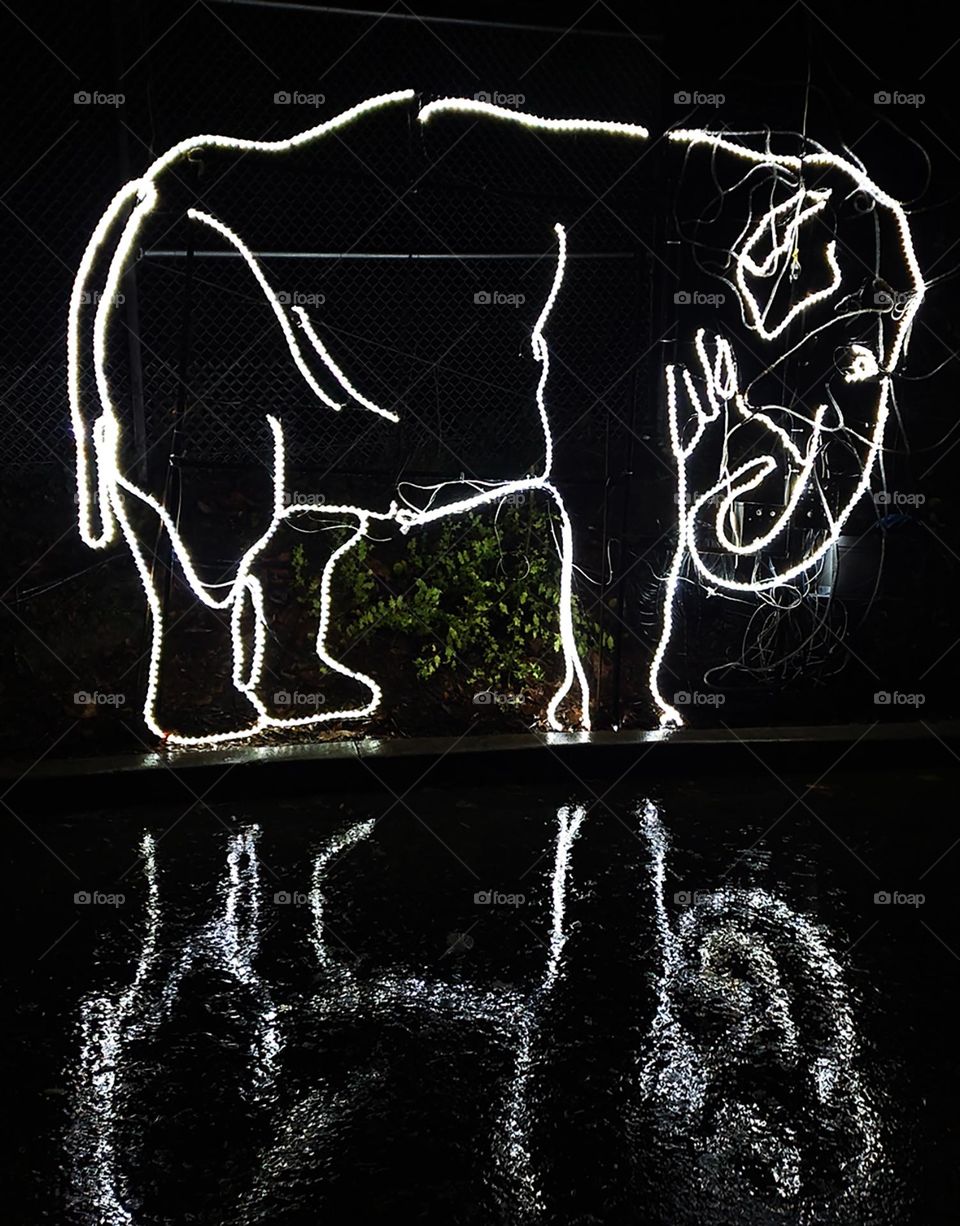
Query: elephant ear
773, 226
786, 264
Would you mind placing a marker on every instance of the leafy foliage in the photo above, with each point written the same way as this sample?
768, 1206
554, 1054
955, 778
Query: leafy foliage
478, 595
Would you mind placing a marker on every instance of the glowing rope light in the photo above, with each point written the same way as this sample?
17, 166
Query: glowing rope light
573, 667
409, 518
335, 369
751, 928
863, 365
476, 106
720, 381
699, 136
143, 192
244, 591
284, 322
113, 487
719, 378
113, 1027
234, 239
243, 584
769, 424
746, 263
765, 465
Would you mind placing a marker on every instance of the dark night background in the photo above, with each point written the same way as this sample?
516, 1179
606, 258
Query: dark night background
210, 851
72, 620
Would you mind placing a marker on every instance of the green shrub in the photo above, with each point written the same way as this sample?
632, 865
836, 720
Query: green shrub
477, 594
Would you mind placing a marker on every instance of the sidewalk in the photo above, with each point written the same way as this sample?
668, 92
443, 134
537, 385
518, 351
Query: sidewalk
225, 772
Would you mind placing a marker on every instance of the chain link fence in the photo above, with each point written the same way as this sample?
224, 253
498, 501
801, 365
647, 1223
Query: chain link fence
422, 253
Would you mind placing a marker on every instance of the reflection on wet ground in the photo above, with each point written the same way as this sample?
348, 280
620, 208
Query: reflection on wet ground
503, 1008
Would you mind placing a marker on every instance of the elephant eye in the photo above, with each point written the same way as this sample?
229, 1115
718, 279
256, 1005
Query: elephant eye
861, 364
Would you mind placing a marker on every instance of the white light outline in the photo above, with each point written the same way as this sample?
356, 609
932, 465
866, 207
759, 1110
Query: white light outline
244, 583
245, 590
673, 1072
143, 190
108, 1023
237, 242
113, 487
409, 517
745, 263
476, 106
335, 370
230, 940
865, 365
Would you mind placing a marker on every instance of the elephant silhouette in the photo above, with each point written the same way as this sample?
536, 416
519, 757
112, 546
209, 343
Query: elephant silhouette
111, 503
738, 430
